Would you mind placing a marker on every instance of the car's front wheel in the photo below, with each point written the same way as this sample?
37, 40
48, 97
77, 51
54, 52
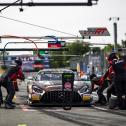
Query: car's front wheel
29, 102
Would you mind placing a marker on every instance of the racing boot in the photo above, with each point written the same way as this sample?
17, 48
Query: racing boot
9, 106
103, 101
1, 102
13, 103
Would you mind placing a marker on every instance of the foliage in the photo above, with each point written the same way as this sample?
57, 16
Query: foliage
57, 60
75, 48
124, 43
3, 67
96, 50
109, 48
78, 48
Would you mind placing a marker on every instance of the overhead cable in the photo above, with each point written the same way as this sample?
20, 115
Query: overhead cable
39, 26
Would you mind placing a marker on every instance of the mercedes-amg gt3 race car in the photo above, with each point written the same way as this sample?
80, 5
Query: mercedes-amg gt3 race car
45, 88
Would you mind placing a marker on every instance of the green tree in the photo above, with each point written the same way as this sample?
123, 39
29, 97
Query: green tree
75, 48
78, 48
57, 59
96, 50
109, 48
124, 43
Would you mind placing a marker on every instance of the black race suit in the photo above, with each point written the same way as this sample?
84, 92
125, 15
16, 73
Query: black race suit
120, 79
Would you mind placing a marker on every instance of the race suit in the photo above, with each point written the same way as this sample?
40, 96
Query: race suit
120, 79
14, 72
104, 82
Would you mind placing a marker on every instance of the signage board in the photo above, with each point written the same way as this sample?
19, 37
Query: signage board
53, 44
95, 31
56, 44
67, 81
67, 88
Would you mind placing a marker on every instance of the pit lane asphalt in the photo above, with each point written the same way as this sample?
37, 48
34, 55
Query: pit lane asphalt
24, 115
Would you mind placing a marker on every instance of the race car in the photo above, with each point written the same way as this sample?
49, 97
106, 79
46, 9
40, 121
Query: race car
45, 88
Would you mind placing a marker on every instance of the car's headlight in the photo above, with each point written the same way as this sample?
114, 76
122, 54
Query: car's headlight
85, 89
36, 89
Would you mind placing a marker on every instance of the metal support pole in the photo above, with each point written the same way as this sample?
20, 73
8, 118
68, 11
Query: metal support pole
115, 19
115, 35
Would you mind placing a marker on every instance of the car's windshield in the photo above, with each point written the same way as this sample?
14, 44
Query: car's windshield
54, 76
51, 76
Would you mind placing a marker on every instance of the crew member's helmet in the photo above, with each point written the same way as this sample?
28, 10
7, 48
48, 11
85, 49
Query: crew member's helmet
112, 56
18, 62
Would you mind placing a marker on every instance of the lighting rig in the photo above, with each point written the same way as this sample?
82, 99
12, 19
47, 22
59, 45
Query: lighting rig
21, 3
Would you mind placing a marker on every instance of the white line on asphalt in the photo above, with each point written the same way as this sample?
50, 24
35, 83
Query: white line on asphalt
100, 108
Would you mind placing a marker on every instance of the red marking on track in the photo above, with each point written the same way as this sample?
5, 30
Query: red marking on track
25, 109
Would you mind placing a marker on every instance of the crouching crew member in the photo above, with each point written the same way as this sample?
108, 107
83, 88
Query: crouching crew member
106, 81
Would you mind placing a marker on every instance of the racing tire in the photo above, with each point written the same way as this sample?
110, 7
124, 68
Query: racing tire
67, 107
